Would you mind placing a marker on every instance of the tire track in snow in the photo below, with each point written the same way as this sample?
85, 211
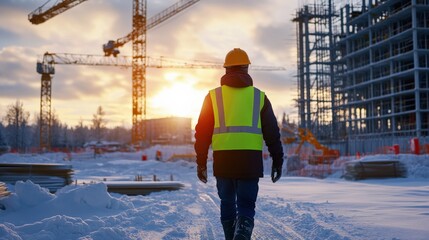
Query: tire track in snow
266, 229
324, 223
206, 203
210, 227
306, 220
269, 227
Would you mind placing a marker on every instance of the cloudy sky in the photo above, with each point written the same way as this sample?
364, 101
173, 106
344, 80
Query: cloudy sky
205, 31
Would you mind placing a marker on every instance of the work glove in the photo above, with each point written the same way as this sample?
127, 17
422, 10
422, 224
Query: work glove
276, 173
202, 174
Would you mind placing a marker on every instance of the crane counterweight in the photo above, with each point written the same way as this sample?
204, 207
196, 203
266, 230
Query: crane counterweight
110, 49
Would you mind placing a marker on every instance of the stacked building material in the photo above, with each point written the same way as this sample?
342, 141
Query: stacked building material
142, 187
50, 176
364, 169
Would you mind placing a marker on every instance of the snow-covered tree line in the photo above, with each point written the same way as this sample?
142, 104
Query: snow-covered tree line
20, 134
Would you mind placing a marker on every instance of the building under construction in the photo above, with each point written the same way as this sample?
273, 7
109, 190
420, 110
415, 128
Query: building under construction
169, 130
363, 73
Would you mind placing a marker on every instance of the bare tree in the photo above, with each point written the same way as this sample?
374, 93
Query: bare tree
59, 132
119, 134
99, 123
2, 139
35, 136
80, 134
16, 125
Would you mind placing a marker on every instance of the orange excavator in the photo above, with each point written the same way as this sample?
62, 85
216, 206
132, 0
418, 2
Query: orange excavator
323, 154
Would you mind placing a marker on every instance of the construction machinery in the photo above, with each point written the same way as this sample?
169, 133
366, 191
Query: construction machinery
138, 38
323, 154
320, 154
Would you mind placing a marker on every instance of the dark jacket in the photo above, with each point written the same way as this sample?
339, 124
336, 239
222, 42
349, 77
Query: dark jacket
237, 163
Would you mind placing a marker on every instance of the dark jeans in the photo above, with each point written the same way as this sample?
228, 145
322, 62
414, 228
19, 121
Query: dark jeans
237, 197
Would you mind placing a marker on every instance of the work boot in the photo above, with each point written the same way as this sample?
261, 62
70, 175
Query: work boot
243, 228
228, 228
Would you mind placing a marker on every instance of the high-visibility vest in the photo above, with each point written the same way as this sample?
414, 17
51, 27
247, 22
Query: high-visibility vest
237, 124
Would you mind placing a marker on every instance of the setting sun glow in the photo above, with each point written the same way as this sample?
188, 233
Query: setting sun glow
178, 98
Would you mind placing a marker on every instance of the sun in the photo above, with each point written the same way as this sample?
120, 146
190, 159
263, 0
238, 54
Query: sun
179, 99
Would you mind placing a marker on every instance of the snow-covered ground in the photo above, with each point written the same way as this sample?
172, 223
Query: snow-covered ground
293, 208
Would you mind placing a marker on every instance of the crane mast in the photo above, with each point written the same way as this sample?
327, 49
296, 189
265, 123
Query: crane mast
139, 71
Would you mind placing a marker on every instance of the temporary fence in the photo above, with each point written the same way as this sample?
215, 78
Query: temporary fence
382, 144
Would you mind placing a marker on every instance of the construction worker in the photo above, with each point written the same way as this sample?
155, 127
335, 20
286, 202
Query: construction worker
235, 119
158, 155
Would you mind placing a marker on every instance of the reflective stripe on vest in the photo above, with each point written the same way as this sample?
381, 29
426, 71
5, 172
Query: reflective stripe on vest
232, 132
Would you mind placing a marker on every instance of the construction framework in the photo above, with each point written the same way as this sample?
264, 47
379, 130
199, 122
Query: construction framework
385, 71
363, 73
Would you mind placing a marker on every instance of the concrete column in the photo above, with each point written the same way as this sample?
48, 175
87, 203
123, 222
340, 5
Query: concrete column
418, 116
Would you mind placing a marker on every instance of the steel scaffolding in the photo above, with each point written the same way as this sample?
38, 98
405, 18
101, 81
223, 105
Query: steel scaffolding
316, 59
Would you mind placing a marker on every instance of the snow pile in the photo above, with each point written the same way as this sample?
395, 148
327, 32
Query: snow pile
61, 215
27, 195
86, 197
417, 165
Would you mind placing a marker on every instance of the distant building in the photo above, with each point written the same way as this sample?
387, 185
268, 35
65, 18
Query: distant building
169, 130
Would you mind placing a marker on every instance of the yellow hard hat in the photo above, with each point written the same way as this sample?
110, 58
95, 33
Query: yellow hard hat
236, 57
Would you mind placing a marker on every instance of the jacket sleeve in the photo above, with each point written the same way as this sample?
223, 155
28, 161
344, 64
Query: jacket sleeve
204, 131
271, 133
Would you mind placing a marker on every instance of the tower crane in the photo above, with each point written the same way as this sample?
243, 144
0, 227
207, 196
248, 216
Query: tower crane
48, 61
111, 47
46, 67
40, 14
138, 37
